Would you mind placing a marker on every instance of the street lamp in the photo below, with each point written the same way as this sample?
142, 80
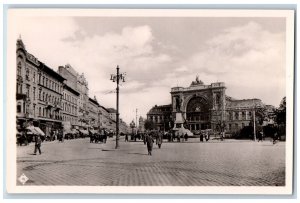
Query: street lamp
132, 125
117, 78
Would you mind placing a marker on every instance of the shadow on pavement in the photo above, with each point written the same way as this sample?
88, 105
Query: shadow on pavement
138, 153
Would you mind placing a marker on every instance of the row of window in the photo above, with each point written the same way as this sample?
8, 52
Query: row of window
70, 98
43, 96
239, 116
234, 126
230, 126
71, 119
47, 113
41, 79
157, 118
69, 108
49, 83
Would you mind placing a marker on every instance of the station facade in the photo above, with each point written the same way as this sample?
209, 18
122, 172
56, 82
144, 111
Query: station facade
208, 107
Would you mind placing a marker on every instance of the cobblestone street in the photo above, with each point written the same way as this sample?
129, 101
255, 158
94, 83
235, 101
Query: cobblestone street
215, 163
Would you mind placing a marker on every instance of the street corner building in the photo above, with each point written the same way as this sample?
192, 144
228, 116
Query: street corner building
39, 93
206, 107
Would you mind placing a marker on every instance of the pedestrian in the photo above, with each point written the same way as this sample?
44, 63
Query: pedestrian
159, 140
186, 137
201, 136
275, 137
126, 137
260, 138
104, 136
221, 136
150, 142
38, 142
144, 139
206, 136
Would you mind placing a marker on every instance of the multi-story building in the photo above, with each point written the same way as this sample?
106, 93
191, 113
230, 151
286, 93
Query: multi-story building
207, 107
83, 112
78, 83
39, 92
104, 117
161, 116
70, 107
94, 113
112, 113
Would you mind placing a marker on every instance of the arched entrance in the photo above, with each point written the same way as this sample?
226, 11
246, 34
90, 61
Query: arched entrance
198, 114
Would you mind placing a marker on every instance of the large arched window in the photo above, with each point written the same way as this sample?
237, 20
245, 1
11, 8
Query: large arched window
198, 113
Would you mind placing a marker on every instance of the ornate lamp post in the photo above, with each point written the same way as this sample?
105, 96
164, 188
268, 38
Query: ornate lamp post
119, 77
132, 125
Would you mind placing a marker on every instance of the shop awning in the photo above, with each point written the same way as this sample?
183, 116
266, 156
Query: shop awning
93, 131
85, 132
68, 132
32, 130
39, 131
74, 131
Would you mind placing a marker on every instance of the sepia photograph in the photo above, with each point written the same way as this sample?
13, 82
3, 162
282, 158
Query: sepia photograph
163, 101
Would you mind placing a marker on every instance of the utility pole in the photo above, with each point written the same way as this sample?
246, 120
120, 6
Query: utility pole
117, 78
254, 123
136, 110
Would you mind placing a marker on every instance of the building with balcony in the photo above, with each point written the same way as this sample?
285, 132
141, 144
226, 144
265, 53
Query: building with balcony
78, 83
70, 106
94, 114
39, 92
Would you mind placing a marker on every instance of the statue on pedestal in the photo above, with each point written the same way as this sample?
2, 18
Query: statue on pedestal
178, 103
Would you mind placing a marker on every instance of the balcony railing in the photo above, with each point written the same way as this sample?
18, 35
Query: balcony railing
49, 104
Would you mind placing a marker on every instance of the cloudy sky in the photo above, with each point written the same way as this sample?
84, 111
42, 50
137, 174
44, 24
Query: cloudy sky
157, 53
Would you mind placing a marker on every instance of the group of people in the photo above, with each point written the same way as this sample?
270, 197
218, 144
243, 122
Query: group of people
148, 139
204, 135
98, 137
178, 136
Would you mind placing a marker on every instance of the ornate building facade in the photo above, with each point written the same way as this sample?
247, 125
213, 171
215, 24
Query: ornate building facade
39, 92
69, 105
94, 114
161, 116
207, 107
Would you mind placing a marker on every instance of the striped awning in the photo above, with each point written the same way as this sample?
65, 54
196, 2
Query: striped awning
85, 132
39, 131
32, 130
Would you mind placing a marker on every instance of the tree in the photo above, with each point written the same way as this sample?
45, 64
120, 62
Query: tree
149, 125
281, 112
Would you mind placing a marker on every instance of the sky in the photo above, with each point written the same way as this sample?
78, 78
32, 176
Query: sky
158, 53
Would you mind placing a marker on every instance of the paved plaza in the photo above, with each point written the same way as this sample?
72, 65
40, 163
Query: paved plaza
214, 163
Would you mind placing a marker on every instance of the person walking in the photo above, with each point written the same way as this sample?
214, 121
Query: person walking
206, 136
275, 138
201, 137
260, 136
38, 142
126, 137
105, 137
186, 137
150, 142
159, 140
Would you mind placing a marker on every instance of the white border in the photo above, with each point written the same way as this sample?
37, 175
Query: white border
14, 14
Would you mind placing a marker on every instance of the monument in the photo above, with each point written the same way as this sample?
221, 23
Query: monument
179, 119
